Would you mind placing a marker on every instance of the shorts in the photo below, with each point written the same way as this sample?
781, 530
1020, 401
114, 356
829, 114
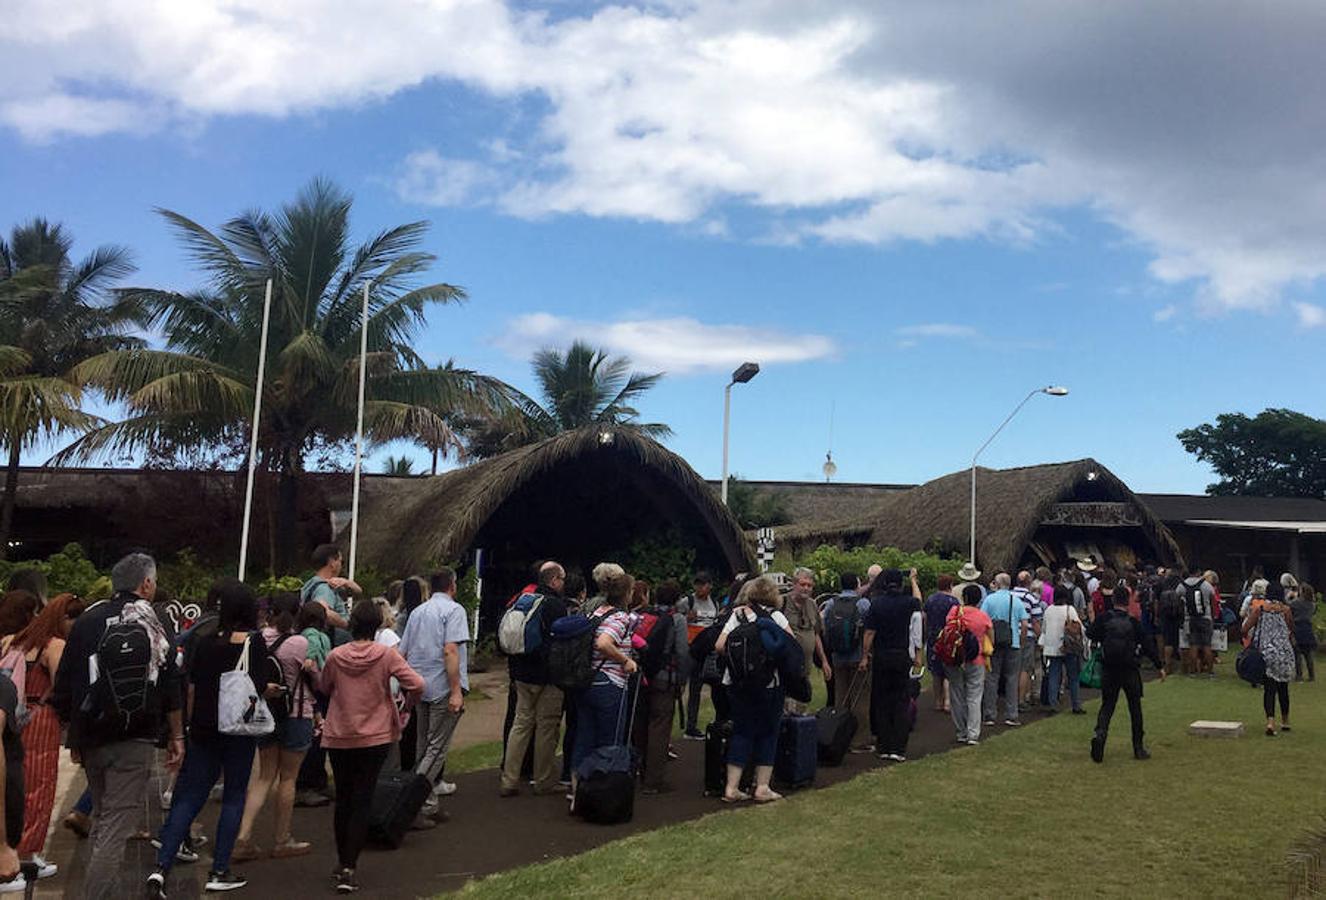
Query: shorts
1199, 632
294, 735
1029, 654
1170, 629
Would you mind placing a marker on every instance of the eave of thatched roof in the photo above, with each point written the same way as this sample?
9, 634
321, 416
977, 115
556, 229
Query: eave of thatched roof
416, 521
1011, 503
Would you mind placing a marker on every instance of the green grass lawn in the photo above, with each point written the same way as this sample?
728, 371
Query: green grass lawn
1026, 814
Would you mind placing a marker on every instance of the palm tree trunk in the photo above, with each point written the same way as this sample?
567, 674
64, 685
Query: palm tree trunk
10, 498
434, 460
287, 519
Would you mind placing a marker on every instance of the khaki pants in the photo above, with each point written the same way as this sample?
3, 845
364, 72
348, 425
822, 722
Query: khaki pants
842, 683
437, 725
117, 775
538, 717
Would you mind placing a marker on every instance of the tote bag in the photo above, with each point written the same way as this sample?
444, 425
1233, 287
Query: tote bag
240, 709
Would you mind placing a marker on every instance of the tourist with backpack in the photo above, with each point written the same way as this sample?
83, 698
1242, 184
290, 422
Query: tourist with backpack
30, 659
960, 648
754, 689
281, 753
1270, 631
610, 664
701, 610
890, 629
1064, 635
115, 719
1122, 643
937, 607
231, 683
1198, 598
363, 722
808, 628
524, 634
665, 666
844, 615
327, 586
1009, 618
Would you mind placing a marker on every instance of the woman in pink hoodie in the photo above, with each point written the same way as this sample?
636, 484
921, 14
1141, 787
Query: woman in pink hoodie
361, 724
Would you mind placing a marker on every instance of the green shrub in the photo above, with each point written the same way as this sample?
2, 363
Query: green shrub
829, 562
67, 570
660, 556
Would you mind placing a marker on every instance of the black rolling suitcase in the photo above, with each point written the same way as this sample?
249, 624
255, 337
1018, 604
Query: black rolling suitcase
798, 749
837, 725
716, 737
397, 800
605, 788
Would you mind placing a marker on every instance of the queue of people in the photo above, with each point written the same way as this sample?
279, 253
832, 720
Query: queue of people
261, 693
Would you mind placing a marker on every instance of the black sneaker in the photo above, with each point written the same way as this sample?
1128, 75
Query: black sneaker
1098, 748
693, 735
224, 881
1141, 753
345, 882
186, 852
156, 885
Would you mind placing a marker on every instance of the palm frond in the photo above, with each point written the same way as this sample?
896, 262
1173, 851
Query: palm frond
387, 421
34, 407
206, 394
13, 359
121, 374
102, 267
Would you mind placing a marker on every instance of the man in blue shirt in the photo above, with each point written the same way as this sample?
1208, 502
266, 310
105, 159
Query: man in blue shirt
1010, 619
844, 618
435, 644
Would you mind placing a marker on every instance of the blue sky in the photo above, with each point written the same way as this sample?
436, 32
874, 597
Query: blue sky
920, 237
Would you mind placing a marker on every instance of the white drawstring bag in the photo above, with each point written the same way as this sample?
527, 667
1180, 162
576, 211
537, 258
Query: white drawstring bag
240, 709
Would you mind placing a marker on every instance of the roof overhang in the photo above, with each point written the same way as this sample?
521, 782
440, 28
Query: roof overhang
1294, 527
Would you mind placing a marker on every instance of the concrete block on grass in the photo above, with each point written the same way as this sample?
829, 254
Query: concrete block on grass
1208, 728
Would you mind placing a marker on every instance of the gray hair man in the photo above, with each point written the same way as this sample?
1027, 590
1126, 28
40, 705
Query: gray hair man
118, 756
808, 627
1029, 682
1009, 618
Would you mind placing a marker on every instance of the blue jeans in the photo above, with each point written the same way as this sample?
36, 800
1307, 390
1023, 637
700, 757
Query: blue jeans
207, 757
756, 714
598, 719
1059, 667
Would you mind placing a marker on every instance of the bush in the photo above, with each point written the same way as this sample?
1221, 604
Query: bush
69, 570
658, 557
829, 562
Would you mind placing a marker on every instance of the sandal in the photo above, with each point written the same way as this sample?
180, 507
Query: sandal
769, 797
738, 797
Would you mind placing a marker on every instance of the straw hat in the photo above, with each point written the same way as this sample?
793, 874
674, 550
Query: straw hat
969, 572
1087, 565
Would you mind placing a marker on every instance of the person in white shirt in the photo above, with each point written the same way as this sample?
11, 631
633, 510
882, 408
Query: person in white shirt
700, 609
1060, 651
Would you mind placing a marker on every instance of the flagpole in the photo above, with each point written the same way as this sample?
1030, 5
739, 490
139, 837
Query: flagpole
359, 436
253, 437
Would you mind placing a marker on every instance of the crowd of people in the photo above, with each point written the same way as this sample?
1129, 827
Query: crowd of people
265, 694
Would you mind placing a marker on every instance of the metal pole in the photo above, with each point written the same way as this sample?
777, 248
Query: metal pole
253, 436
727, 421
1017, 409
972, 557
359, 436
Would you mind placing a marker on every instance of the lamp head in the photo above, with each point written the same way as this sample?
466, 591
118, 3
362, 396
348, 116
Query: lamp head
1055, 391
745, 372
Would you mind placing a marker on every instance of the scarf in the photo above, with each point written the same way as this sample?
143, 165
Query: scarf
139, 612
319, 645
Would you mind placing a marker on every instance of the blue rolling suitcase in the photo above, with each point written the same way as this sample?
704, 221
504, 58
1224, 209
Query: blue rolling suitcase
798, 751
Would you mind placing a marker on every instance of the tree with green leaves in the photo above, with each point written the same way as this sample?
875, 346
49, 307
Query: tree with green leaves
199, 389
398, 465
579, 388
1277, 453
754, 508
54, 314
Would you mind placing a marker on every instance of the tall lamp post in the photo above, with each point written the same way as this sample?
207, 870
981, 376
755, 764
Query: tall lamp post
1052, 391
744, 373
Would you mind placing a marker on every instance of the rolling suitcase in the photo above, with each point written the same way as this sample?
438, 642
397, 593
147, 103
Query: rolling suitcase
716, 737
836, 726
397, 800
605, 789
798, 749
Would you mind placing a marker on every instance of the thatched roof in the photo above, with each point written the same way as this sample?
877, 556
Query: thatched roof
1011, 504
417, 521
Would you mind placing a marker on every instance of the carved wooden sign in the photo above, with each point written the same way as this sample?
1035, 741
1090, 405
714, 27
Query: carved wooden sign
1093, 515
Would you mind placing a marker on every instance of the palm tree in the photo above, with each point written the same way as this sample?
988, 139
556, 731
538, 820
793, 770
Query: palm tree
199, 389
53, 315
398, 465
580, 387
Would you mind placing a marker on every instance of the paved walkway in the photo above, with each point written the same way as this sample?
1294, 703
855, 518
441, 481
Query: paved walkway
479, 840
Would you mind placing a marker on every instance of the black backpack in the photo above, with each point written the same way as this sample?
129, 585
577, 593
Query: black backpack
1118, 645
282, 707
748, 662
1194, 602
843, 626
660, 644
571, 651
123, 691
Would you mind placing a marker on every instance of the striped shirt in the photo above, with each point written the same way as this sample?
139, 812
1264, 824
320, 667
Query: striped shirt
619, 625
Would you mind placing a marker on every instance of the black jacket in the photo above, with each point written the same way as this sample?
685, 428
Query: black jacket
71, 683
1147, 648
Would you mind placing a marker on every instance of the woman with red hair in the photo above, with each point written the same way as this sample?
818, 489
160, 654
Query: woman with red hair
41, 644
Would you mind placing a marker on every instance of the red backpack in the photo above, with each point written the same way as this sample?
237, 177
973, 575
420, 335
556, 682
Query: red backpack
956, 644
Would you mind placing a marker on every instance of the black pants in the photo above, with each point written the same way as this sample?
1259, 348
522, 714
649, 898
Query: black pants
888, 705
409, 744
1112, 681
356, 773
1272, 689
313, 770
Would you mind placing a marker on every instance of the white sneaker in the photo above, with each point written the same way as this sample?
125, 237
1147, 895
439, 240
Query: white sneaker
444, 789
44, 869
13, 887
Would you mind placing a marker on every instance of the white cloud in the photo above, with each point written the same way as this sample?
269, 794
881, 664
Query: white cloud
678, 346
939, 330
1165, 313
429, 177
860, 121
1310, 315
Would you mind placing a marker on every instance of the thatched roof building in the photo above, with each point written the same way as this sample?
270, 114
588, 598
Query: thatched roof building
579, 498
1036, 514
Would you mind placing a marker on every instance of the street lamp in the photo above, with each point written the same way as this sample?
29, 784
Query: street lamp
1053, 391
744, 373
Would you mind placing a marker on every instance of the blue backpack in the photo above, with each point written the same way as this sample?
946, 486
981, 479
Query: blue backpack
521, 630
